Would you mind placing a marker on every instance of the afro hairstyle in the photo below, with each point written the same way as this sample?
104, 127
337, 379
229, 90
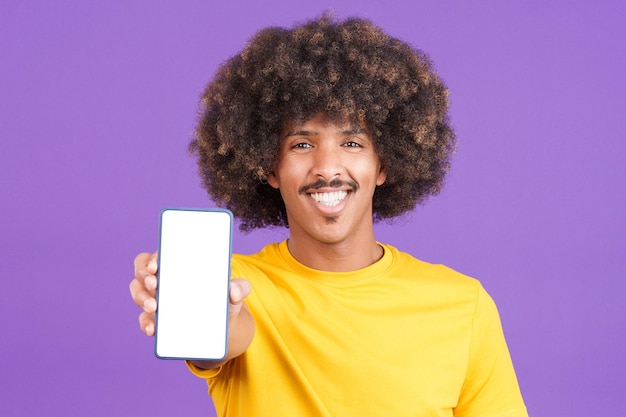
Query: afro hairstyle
348, 70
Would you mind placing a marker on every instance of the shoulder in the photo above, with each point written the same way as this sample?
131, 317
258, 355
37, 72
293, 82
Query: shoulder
269, 257
430, 273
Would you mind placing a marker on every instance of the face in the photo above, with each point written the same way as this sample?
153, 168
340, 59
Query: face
327, 175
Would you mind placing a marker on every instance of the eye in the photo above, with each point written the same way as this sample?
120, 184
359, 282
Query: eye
302, 145
352, 144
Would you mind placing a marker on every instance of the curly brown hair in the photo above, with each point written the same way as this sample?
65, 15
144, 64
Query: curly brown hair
348, 70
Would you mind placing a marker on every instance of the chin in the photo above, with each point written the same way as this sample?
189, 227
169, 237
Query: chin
331, 219
330, 236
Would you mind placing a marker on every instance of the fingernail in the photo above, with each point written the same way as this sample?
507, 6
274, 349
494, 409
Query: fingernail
150, 283
235, 293
149, 330
149, 305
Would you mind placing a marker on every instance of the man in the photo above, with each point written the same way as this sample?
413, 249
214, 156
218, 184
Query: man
326, 128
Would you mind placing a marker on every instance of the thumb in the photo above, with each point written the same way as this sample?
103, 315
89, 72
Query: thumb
239, 290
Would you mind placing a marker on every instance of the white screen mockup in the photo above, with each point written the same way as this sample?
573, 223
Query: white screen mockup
193, 283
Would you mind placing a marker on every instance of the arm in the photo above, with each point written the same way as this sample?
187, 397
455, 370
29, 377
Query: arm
491, 386
240, 322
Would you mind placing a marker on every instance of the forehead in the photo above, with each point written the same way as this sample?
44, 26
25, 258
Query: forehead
322, 123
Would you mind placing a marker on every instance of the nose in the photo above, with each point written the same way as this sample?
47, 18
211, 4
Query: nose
328, 163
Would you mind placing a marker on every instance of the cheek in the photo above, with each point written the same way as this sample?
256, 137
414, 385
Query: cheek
372, 170
286, 174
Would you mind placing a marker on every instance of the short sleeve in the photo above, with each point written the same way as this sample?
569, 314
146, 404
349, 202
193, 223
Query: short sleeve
204, 373
490, 388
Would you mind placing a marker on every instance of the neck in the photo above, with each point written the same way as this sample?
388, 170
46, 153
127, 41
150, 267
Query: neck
344, 256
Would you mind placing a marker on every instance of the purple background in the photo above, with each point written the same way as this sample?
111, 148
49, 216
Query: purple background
98, 102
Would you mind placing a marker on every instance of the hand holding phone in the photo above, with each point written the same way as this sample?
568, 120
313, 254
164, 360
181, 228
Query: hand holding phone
193, 284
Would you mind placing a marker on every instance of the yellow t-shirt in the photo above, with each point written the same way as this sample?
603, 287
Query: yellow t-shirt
400, 337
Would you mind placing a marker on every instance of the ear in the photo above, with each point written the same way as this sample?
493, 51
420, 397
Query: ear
272, 180
382, 176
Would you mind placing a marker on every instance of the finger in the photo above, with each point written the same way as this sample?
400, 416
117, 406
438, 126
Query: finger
146, 323
150, 282
146, 266
142, 297
140, 264
239, 290
153, 263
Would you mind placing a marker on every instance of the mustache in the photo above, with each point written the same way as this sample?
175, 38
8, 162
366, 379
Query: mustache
336, 183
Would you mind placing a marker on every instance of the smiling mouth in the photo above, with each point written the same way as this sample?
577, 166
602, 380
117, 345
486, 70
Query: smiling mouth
329, 199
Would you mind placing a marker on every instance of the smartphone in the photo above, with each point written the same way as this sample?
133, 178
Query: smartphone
193, 284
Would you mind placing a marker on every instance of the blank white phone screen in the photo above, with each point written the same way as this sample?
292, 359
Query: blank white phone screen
193, 282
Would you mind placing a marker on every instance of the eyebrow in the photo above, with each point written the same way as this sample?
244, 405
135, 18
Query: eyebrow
347, 132
299, 133
354, 131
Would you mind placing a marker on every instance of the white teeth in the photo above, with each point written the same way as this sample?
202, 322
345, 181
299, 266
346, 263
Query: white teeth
329, 199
